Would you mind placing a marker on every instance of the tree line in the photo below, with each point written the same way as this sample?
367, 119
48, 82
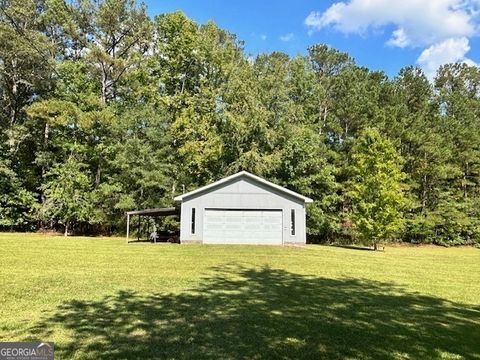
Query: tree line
105, 109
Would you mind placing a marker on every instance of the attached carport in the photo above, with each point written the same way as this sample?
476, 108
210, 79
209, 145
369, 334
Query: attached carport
141, 214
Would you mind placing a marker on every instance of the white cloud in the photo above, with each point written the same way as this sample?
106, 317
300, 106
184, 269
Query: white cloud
314, 21
417, 23
263, 37
287, 37
444, 25
399, 38
449, 51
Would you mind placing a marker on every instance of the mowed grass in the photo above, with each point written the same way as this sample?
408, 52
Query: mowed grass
100, 298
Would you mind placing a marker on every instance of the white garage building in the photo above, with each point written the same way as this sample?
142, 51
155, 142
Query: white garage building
243, 209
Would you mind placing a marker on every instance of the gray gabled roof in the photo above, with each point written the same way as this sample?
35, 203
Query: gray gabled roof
248, 175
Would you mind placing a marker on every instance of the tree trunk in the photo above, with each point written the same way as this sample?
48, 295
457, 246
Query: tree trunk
66, 229
46, 133
98, 176
104, 84
325, 112
424, 193
323, 118
13, 100
424, 187
465, 178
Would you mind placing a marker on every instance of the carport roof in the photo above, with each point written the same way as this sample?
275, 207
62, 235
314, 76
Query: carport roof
155, 212
248, 175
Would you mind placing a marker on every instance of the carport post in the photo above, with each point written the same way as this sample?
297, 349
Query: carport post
128, 226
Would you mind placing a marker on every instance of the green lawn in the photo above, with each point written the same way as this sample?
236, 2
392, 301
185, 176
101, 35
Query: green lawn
99, 298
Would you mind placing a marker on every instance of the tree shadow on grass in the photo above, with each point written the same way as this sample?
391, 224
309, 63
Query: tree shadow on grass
244, 313
357, 247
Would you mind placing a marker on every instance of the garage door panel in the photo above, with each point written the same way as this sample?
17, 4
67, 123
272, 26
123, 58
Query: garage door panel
242, 227
253, 221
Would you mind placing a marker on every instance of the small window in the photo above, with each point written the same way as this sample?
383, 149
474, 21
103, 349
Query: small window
292, 221
193, 220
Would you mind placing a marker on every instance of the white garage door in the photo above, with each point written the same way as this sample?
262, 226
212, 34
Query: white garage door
242, 227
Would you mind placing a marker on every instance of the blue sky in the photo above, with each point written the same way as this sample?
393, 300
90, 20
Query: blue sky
380, 34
